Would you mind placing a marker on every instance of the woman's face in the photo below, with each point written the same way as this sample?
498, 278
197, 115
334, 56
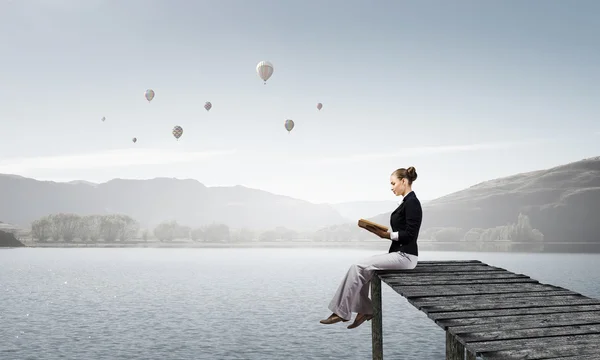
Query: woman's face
398, 186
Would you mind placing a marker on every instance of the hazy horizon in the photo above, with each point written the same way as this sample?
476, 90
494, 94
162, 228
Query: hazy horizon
465, 92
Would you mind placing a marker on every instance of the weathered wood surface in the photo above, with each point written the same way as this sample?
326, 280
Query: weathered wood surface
578, 357
502, 312
460, 281
454, 349
575, 351
546, 343
526, 321
445, 290
524, 302
443, 300
496, 314
445, 269
376, 322
527, 333
502, 319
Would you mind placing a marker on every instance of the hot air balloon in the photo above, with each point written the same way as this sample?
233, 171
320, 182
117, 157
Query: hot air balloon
149, 95
289, 125
103, 118
319, 106
177, 132
264, 70
134, 140
207, 105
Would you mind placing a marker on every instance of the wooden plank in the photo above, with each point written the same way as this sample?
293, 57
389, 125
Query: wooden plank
517, 303
463, 276
579, 357
457, 281
477, 322
445, 290
540, 322
587, 351
448, 262
497, 345
463, 303
427, 262
504, 312
449, 266
532, 333
417, 275
440, 300
444, 269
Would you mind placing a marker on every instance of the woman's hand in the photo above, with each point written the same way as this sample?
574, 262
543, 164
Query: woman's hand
382, 234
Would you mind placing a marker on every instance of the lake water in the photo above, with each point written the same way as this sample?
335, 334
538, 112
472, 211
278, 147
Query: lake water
219, 303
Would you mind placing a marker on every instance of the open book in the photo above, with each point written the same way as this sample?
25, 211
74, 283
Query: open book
363, 223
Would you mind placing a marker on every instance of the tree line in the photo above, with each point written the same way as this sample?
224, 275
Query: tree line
521, 231
70, 227
118, 227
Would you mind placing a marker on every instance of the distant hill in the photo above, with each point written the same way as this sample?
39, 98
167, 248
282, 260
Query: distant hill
563, 202
156, 200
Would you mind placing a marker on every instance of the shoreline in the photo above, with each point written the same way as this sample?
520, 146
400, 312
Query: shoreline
562, 248
153, 244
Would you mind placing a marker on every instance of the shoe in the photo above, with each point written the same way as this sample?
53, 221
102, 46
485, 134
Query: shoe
360, 318
332, 319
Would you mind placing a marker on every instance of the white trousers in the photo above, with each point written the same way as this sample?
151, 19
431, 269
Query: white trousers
353, 293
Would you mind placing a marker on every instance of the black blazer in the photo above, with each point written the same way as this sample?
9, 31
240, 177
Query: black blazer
406, 220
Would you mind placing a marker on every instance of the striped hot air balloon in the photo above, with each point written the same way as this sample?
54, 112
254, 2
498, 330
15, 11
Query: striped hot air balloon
264, 70
149, 95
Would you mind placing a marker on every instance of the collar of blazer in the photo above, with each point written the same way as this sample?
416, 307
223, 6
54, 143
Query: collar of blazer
410, 194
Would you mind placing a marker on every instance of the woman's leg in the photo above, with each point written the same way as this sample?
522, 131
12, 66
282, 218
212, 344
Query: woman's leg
353, 293
361, 303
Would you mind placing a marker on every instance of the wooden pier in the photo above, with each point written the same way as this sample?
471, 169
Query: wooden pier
491, 313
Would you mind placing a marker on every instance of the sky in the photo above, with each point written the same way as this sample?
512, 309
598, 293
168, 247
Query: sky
465, 91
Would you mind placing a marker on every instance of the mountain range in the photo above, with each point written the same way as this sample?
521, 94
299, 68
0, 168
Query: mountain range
562, 202
187, 201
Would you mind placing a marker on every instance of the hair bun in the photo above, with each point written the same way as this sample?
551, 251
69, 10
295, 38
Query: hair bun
411, 173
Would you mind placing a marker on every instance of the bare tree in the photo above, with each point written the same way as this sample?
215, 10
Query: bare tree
90, 227
64, 226
117, 226
41, 229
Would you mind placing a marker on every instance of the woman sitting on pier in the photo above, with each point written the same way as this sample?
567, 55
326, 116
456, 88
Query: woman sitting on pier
353, 293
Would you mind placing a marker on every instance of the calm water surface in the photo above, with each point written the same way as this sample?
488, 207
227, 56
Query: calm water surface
219, 303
